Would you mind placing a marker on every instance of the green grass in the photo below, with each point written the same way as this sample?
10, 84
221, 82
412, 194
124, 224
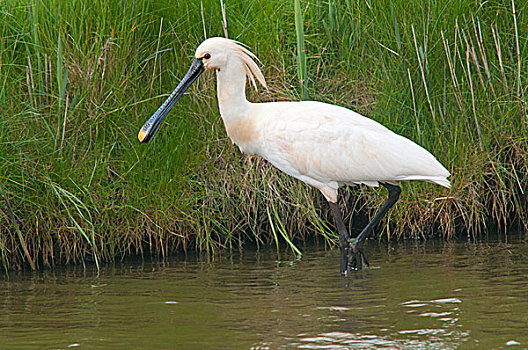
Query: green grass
78, 79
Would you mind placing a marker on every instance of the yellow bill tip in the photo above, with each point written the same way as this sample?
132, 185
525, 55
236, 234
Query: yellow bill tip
142, 134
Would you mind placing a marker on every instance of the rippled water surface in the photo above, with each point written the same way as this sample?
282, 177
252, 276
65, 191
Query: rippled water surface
432, 295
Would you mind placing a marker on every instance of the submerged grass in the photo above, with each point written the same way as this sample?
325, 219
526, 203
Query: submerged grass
78, 79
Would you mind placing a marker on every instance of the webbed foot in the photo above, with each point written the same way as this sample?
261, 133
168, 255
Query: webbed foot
357, 257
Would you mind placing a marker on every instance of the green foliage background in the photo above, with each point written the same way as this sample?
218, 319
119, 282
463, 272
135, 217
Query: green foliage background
79, 78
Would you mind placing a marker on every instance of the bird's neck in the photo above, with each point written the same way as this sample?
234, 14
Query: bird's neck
231, 90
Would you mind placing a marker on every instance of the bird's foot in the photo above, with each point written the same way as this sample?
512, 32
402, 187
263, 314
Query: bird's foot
357, 257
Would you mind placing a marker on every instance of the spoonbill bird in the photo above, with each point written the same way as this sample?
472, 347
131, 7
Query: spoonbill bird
323, 145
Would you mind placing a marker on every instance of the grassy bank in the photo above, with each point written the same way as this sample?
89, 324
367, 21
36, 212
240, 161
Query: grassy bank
78, 79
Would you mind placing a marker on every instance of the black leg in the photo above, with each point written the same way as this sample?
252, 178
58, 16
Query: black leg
343, 237
356, 252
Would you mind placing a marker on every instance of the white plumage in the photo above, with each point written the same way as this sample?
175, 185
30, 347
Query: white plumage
327, 146
323, 145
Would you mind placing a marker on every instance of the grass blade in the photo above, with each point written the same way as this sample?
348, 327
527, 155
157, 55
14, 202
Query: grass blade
301, 51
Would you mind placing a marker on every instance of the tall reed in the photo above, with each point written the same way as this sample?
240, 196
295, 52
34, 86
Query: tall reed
301, 51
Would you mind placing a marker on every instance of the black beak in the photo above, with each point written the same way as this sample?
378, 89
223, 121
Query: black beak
151, 126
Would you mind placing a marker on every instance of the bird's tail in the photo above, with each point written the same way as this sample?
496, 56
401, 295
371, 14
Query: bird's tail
442, 181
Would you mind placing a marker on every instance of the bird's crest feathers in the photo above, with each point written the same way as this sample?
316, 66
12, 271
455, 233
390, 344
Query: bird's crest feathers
251, 68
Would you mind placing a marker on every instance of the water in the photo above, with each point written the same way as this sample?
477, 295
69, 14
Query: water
432, 295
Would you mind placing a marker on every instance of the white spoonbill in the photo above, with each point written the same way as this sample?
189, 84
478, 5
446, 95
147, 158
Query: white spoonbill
323, 145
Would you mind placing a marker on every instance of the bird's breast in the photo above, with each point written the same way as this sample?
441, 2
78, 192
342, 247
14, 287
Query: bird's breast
244, 133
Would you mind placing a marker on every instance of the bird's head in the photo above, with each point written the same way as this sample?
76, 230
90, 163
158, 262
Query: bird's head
215, 54
212, 54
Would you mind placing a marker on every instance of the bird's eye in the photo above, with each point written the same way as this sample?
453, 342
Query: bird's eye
207, 56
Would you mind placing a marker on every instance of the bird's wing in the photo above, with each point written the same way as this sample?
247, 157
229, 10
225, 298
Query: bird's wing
330, 143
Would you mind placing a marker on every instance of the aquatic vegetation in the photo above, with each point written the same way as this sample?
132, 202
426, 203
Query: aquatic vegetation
77, 80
